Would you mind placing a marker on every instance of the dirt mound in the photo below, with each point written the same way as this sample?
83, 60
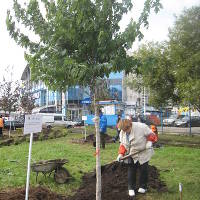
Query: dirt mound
114, 186
35, 193
91, 138
114, 183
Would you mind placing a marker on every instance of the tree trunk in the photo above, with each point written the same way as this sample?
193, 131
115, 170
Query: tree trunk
98, 161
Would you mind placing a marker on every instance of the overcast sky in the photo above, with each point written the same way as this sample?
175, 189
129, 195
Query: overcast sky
13, 56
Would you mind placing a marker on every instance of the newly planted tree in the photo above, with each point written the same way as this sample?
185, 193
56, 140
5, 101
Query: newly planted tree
79, 42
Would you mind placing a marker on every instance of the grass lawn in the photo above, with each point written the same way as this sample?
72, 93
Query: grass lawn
176, 165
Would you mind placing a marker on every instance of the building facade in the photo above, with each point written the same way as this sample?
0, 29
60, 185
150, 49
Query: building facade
69, 102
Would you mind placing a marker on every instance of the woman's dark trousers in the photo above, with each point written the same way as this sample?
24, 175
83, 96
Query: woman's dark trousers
133, 168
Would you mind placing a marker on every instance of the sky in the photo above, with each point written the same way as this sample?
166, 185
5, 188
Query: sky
12, 56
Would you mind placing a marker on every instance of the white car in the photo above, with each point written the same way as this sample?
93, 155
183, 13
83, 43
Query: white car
52, 119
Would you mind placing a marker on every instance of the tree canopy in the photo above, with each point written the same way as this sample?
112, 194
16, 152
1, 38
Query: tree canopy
171, 69
184, 45
78, 40
155, 73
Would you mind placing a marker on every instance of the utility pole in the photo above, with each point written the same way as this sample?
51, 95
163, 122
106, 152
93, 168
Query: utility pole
144, 102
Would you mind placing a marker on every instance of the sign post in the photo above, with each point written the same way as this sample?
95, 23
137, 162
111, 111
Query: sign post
84, 118
33, 124
29, 166
11, 121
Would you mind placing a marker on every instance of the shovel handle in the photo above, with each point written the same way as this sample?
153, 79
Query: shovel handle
129, 155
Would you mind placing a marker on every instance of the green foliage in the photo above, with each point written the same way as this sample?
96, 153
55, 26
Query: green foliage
185, 54
171, 69
155, 73
78, 41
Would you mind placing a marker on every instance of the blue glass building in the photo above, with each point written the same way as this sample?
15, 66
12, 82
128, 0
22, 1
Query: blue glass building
69, 103
115, 85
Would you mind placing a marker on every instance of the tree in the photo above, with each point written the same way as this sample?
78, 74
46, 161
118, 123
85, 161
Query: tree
9, 96
184, 45
171, 69
155, 72
79, 42
27, 100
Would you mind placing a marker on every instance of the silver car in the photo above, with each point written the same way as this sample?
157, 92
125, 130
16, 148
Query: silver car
171, 120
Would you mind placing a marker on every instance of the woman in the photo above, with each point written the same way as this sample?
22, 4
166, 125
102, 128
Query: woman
136, 140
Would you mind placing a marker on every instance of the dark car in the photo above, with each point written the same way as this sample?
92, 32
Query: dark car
144, 119
186, 121
13, 124
79, 123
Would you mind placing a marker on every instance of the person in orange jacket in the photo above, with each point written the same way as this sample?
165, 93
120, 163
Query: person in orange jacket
154, 129
1, 126
136, 140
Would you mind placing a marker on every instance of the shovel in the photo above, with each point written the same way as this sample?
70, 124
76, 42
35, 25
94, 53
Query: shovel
132, 154
125, 157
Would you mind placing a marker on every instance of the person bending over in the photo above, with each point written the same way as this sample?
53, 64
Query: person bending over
136, 140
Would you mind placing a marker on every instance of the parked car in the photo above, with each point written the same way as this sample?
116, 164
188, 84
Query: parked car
13, 124
72, 124
79, 123
50, 120
186, 122
171, 120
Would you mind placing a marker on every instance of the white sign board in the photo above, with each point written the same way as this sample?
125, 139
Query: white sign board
33, 124
109, 110
84, 118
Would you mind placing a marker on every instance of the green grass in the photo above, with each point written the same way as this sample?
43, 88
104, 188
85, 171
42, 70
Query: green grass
180, 138
179, 165
176, 164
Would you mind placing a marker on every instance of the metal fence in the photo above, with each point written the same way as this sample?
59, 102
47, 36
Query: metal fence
177, 123
179, 130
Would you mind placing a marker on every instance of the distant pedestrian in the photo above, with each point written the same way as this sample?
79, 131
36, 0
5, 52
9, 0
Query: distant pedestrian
118, 129
102, 128
1, 125
130, 117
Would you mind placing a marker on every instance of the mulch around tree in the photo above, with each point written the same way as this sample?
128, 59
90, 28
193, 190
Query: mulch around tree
114, 186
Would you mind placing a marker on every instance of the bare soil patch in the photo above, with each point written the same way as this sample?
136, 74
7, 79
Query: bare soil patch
114, 183
35, 193
91, 139
114, 186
